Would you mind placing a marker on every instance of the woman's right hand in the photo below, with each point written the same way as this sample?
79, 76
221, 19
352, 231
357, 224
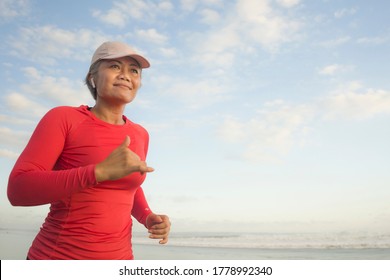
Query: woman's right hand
120, 163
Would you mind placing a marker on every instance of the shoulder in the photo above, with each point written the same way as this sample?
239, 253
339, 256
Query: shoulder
138, 128
65, 116
64, 110
67, 112
141, 130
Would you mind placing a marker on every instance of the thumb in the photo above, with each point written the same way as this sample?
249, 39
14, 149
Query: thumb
154, 219
126, 142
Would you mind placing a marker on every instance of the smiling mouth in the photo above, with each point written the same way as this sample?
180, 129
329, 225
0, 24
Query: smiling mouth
123, 86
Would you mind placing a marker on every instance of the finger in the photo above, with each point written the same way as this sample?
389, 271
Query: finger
157, 236
149, 169
159, 226
160, 231
145, 168
161, 219
163, 238
163, 224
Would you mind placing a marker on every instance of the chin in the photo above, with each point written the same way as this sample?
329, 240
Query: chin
128, 98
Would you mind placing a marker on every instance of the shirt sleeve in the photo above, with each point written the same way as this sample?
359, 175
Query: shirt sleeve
33, 180
141, 208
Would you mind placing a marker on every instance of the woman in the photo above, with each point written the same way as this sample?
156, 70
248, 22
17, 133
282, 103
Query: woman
89, 164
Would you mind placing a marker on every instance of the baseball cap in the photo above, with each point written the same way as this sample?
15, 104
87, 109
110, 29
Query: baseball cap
110, 50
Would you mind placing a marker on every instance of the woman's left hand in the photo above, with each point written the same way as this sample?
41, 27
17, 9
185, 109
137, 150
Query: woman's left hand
159, 227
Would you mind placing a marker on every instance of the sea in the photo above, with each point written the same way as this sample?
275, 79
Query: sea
263, 246
14, 245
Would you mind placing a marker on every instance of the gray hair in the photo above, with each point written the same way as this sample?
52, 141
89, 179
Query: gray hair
92, 74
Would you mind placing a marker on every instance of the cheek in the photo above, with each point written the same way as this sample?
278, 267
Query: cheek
100, 82
101, 86
136, 84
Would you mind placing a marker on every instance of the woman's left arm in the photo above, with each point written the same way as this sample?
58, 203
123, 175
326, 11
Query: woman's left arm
158, 226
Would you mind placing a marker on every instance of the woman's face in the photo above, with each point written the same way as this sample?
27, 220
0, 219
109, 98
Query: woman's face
118, 80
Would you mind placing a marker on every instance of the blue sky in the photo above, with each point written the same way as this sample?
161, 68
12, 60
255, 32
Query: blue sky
263, 115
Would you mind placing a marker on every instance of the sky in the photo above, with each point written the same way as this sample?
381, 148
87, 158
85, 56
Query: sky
264, 116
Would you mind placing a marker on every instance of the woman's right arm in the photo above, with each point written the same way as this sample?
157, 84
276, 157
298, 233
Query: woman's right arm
33, 180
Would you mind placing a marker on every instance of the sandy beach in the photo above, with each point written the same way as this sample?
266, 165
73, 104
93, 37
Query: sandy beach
156, 252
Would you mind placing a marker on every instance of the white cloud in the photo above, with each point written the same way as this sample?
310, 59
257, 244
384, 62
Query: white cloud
8, 154
334, 69
219, 3
123, 12
15, 120
20, 103
10, 9
133, 8
192, 93
192, 5
244, 26
217, 48
188, 5
151, 35
41, 92
377, 40
165, 6
12, 141
58, 90
196, 94
355, 102
335, 42
47, 44
330, 69
168, 52
247, 27
24, 107
232, 130
272, 132
209, 16
263, 25
345, 12
288, 3
113, 16
278, 127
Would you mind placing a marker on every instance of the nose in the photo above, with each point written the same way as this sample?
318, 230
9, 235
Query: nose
124, 76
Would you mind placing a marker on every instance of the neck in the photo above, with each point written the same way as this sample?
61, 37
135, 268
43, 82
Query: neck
112, 115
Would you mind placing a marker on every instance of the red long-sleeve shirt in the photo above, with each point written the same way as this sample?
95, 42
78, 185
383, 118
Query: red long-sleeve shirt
87, 220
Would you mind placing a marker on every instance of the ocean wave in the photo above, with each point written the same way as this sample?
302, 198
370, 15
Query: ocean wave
341, 240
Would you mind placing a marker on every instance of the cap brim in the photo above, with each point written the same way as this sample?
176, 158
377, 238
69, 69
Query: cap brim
143, 62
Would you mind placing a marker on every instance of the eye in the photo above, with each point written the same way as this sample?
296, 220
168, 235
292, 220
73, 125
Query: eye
135, 72
115, 66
